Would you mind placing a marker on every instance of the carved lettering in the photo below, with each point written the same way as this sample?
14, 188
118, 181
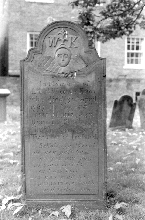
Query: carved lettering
52, 41
73, 41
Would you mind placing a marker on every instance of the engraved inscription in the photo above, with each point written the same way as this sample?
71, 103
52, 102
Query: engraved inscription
63, 39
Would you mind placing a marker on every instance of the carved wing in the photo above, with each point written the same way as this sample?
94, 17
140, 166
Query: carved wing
81, 67
51, 67
87, 70
77, 63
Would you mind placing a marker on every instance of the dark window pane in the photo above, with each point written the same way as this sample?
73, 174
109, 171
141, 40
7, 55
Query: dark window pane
128, 47
128, 40
132, 47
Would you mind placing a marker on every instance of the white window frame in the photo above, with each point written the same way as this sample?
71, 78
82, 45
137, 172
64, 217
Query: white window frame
102, 3
98, 47
41, 1
28, 39
135, 66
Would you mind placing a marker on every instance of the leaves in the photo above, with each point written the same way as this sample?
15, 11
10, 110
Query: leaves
8, 201
111, 217
118, 217
19, 210
120, 205
114, 20
55, 213
66, 210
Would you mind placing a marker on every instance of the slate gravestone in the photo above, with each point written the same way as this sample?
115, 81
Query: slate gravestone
64, 119
141, 105
123, 113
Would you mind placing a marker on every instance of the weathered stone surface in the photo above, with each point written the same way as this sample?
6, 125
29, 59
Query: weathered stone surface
64, 119
123, 112
3, 94
141, 105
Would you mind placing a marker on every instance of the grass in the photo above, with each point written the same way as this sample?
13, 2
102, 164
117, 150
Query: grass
126, 171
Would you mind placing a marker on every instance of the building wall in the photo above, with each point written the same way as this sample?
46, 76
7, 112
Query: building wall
4, 37
33, 17
30, 17
114, 52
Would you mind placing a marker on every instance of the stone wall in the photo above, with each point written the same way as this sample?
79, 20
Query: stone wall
116, 88
13, 84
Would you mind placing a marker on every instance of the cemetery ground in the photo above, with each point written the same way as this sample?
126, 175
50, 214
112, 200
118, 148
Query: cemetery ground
126, 176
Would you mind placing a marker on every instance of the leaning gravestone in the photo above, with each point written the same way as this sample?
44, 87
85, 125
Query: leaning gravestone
64, 119
141, 105
123, 113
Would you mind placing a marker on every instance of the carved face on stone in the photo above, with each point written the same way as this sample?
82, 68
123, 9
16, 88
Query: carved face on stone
63, 56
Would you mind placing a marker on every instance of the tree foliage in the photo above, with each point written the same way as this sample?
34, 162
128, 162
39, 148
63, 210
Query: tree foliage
111, 21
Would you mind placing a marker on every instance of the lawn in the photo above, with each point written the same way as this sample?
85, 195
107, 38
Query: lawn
126, 174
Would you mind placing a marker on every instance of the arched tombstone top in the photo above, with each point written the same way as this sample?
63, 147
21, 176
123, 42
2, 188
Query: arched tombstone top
123, 112
127, 98
62, 49
143, 92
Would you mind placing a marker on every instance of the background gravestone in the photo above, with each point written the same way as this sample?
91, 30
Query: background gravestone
64, 119
4, 93
141, 105
123, 112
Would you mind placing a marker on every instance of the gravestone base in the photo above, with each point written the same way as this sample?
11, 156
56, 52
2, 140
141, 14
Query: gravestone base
81, 204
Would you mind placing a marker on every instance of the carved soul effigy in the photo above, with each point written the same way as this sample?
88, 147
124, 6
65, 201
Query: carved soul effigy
64, 119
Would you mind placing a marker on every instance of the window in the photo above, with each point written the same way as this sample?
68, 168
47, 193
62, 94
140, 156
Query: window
134, 52
41, 1
98, 47
31, 40
101, 3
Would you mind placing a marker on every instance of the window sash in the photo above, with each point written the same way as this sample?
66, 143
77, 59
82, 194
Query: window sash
32, 40
134, 50
134, 58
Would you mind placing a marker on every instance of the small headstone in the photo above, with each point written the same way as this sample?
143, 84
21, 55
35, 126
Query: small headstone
3, 94
137, 95
64, 119
123, 112
141, 105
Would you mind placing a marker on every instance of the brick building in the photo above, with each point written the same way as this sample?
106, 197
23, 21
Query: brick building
125, 56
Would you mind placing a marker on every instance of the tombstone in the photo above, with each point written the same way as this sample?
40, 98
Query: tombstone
141, 105
64, 120
123, 113
137, 95
3, 94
